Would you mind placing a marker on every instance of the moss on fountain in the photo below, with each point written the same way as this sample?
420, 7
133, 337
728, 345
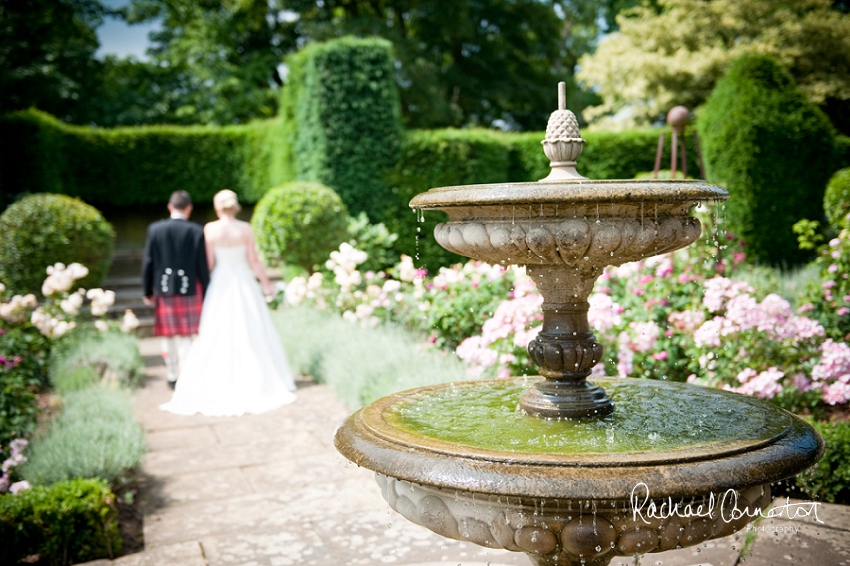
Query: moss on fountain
653, 421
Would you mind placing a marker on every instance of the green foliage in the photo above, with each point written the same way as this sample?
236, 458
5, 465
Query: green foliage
676, 54
375, 240
212, 62
458, 303
43, 229
29, 348
772, 150
24, 355
344, 103
361, 364
842, 151
18, 408
112, 357
828, 296
829, 479
67, 523
808, 234
143, 165
300, 223
836, 200
95, 436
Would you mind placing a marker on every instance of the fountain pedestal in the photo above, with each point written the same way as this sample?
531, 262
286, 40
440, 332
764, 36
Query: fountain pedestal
565, 350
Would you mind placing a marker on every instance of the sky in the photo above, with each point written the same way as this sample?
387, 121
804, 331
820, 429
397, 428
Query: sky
117, 38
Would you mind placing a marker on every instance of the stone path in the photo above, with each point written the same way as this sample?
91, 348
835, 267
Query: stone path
271, 490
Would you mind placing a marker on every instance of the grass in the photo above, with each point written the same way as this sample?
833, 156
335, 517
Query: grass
95, 436
361, 364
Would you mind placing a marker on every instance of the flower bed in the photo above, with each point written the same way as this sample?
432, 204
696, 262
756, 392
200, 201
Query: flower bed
56, 498
674, 316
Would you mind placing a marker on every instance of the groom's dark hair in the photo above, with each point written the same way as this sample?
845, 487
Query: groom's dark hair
180, 200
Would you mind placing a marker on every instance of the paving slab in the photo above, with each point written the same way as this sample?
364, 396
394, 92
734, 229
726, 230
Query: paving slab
271, 490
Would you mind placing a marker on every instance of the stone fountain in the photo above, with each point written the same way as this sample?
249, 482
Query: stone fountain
567, 470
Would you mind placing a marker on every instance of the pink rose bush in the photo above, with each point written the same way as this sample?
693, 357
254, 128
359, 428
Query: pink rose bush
680, 316
501, 348
829, 300
673, 317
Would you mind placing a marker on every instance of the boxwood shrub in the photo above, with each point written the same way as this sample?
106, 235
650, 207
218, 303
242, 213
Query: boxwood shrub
43, 229
300, 223
66, 523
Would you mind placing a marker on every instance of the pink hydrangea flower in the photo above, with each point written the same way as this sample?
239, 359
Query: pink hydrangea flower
836, 393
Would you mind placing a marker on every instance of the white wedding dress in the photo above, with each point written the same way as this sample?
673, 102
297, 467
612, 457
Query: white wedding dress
237, 364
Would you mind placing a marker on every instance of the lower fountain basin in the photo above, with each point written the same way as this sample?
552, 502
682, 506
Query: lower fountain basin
673, 465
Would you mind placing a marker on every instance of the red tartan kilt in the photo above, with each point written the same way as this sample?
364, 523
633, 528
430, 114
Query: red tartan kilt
178, 315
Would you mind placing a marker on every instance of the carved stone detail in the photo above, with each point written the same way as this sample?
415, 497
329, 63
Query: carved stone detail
564, 532
574, 242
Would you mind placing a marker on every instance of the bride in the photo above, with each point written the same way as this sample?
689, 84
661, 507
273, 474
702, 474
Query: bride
237, 364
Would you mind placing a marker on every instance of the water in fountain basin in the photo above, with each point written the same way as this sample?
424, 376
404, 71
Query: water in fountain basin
650, 416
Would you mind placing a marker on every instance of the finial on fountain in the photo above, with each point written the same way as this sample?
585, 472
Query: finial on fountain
563, 142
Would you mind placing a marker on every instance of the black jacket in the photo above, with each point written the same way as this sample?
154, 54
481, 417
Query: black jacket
175, 258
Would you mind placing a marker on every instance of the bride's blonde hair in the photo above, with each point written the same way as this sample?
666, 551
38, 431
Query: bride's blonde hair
226, 201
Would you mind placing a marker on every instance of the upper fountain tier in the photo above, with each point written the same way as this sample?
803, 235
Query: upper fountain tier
566, 229
566, 219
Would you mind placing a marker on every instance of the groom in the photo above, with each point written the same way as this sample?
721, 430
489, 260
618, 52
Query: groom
175, 276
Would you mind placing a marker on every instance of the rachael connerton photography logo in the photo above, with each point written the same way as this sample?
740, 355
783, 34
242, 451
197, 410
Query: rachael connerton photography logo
645, 508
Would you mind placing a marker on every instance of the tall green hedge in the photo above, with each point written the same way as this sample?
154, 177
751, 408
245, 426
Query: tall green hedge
773, 150
140, 165
342, 114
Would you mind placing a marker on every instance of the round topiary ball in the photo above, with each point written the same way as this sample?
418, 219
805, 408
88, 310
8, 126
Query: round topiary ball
836, 200
300, 223
43, 229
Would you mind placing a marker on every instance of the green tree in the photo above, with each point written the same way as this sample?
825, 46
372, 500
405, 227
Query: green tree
46, 55
675, 55
212, 61
459, 63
